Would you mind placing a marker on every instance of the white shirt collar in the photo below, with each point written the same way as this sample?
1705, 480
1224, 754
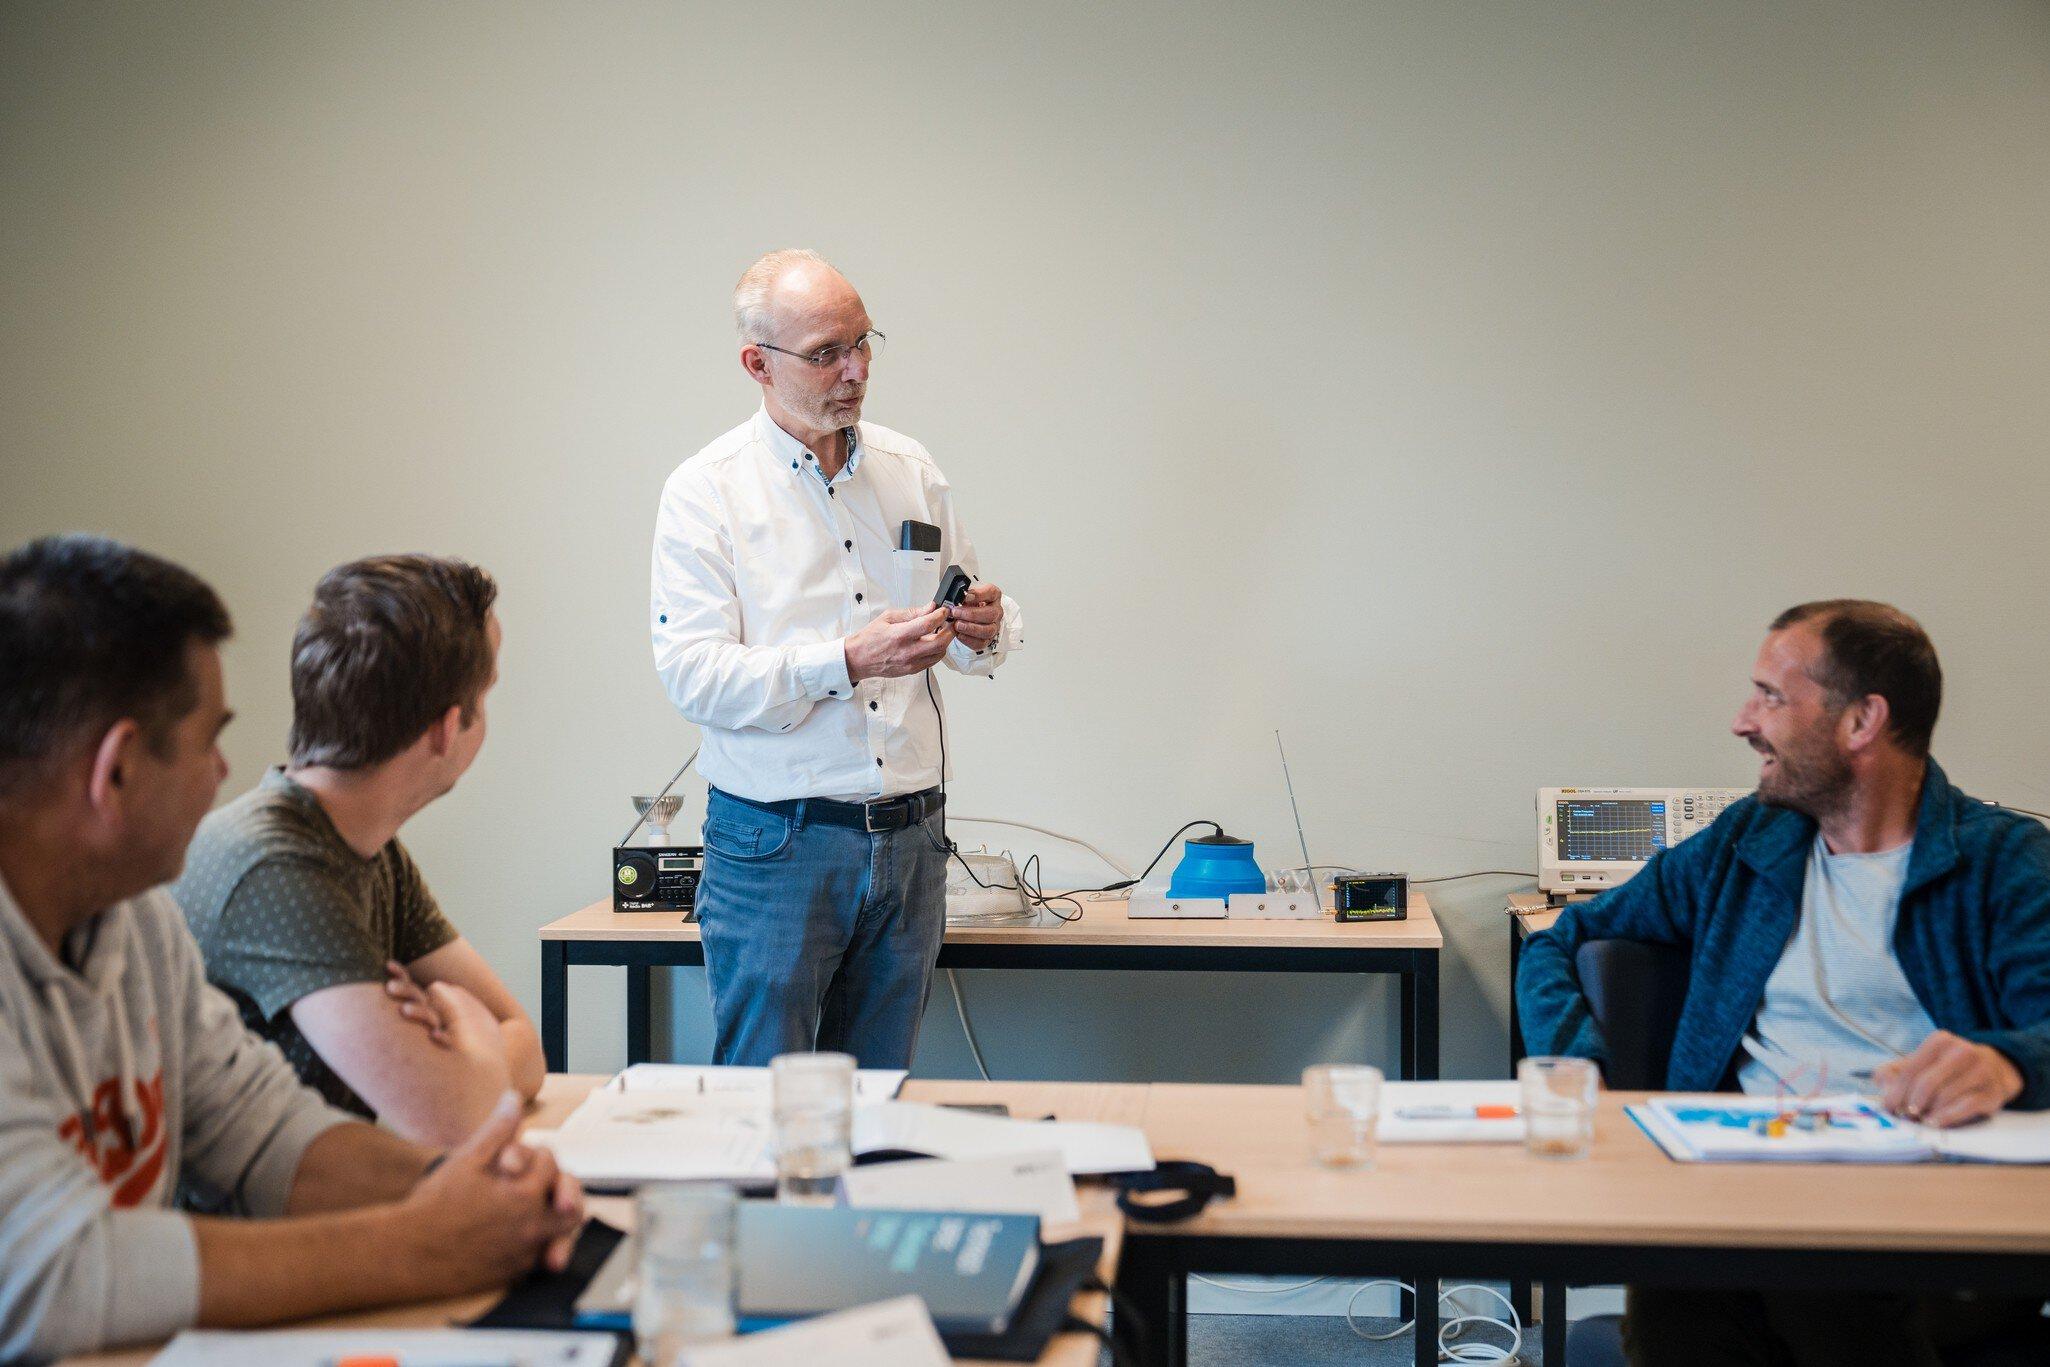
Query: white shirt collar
790, 451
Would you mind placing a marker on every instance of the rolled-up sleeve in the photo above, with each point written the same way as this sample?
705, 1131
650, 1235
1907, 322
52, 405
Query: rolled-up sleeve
709, 673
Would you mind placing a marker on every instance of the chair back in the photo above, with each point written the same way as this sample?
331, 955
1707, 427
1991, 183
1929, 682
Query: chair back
1635, 991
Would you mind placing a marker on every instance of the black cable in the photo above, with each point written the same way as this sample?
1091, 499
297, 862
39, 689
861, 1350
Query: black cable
1477, 873
1122, 884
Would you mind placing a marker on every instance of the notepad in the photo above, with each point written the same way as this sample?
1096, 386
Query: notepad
1722, 1128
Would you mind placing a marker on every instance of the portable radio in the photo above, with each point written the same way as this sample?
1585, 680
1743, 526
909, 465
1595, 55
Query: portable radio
657, 878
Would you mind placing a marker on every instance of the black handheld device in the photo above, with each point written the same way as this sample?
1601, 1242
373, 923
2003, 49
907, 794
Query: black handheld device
953, 587
914, 535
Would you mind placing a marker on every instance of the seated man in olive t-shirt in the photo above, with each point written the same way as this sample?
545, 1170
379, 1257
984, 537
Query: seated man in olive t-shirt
309, 912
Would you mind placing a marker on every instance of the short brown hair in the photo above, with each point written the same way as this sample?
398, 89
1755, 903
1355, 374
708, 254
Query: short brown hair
91, 632
1870, 648
389, 645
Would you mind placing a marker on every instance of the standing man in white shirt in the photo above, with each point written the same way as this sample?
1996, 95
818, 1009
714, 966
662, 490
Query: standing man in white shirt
776, 561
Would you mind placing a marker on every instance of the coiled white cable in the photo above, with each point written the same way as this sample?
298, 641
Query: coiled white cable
1454, 1326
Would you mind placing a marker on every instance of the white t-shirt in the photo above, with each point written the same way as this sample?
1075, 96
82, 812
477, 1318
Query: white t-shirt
1837, 1003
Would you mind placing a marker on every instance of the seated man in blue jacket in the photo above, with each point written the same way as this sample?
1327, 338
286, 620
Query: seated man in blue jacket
1857, 915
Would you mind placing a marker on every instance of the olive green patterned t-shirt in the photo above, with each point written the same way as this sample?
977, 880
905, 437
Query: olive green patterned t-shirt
282, 907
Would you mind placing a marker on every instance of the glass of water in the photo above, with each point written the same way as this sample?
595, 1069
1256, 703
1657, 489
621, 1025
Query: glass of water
813, 1112
684, 1274
1558, 1105
1343, 1101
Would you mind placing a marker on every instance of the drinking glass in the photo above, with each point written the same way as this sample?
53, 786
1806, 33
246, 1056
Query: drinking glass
1343, 1101
1558, 1105
813, 1115
684, 1274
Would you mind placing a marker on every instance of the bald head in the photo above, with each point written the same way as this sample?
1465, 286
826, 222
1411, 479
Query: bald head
785, 287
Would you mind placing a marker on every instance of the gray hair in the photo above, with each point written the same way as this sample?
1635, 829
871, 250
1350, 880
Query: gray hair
751, 295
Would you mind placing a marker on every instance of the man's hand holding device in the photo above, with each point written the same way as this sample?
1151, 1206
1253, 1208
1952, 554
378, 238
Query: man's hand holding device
899, 643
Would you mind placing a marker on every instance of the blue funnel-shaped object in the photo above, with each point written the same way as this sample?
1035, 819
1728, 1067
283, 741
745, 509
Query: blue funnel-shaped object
1216, 866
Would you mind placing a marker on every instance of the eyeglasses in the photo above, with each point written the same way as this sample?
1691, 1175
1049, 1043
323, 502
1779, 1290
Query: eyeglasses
868, 344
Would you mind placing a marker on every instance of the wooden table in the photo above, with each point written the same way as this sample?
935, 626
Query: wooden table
1106, 937
1627, 1213
1122, 1104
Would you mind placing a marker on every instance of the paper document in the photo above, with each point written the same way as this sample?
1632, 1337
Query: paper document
1025, 1183
1085, 1147
622, 1138
895, 1333
1443, 1113
1723, 1128
619, 1139
870, 1084
413, 1347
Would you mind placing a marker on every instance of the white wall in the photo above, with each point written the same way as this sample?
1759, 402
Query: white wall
1457, 387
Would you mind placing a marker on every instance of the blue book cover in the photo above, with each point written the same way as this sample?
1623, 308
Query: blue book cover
798, 1261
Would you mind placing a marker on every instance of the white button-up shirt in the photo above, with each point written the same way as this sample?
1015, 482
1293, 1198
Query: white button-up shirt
762, 570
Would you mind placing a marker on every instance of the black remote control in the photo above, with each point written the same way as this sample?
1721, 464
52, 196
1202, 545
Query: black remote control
953, 587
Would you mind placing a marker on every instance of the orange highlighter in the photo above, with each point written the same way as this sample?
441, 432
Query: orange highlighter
1456, 1112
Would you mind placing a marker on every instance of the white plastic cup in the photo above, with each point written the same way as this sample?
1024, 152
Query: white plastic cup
685, 1269
1558, 1106
813, 1112
1343, 1103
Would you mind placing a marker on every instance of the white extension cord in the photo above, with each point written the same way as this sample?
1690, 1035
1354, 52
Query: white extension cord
1453, 1326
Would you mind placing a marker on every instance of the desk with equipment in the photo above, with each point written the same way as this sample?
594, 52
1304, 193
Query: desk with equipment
560, 1096
1106, 936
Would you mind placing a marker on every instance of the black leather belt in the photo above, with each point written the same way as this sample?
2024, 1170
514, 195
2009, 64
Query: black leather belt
884, 814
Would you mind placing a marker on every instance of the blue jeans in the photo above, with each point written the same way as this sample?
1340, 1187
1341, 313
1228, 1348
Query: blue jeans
816, 936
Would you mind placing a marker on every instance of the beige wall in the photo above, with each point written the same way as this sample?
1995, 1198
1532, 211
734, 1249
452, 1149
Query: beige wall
1458, 387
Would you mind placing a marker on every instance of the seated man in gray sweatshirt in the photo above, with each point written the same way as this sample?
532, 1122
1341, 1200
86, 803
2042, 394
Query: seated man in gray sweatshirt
124, 1076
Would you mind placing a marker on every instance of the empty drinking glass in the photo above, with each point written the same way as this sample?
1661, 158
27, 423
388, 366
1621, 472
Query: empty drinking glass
813, 1111
1558, 1105
684, 1274
1343, 1101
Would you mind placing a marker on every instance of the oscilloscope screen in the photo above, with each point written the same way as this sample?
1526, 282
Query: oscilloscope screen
1611, 830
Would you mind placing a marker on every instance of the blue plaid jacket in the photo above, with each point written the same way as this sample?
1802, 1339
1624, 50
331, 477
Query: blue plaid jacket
1973, 936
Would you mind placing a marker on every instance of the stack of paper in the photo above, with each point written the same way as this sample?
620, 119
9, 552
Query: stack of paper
870, 1084
620, 1138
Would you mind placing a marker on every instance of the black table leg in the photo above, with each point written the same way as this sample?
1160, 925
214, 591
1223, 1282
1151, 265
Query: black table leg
640, 1017
1426, 1066
1406, 1057
1554, 1340
1157, 1293
1427, 1322
555, 1004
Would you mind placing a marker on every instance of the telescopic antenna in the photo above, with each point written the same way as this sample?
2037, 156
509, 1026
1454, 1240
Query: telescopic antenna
677, 777
1309, 870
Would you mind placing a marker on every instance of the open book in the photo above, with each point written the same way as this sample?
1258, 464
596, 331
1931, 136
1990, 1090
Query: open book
1726, 1128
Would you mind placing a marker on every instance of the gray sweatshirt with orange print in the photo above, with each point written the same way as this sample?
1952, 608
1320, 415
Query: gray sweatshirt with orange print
122, 1076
